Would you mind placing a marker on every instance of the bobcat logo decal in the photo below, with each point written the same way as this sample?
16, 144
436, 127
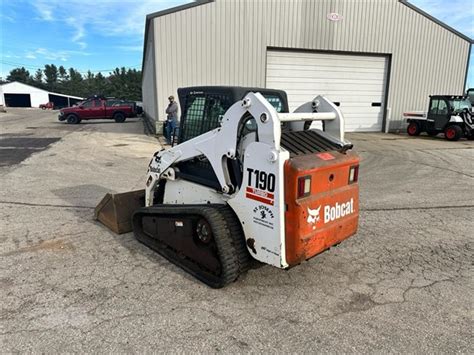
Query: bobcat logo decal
313, 216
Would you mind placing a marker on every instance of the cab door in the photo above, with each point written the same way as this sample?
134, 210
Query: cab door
439, 114
86, 110
97, 110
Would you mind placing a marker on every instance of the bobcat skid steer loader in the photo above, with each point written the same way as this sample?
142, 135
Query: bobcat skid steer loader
247, 180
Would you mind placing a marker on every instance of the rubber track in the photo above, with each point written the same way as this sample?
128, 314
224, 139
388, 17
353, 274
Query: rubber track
238, 239
228, 237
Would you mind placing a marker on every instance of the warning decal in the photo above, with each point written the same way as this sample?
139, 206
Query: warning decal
326, 156
260, 195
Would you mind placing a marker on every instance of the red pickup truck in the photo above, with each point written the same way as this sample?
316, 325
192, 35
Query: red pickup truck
47, 106
97, 108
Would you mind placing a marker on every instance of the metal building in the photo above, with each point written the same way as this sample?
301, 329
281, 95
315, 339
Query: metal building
373, 58
16, 94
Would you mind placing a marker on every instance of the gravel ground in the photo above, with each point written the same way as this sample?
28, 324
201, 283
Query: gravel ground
404, 283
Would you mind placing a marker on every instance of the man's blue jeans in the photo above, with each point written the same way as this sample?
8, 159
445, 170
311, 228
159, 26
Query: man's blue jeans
169, 129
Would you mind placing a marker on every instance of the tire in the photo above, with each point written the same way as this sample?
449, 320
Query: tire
453, 133
413, 129
119, 117
43, 108
72, 119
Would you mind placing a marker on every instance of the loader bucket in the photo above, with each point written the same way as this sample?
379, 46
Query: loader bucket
115, 210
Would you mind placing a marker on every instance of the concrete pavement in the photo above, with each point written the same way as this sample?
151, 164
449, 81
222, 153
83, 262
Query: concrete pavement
404, 283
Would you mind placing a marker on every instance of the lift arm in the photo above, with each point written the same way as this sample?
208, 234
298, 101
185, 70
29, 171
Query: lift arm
220, 144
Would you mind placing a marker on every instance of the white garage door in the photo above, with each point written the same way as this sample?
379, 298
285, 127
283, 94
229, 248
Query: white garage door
354, 82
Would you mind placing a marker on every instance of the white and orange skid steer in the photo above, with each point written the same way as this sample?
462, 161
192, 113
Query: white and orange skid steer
247, 180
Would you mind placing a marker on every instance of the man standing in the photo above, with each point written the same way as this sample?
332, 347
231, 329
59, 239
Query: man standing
171, 118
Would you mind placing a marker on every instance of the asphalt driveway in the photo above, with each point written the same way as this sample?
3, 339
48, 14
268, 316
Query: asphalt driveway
404, 283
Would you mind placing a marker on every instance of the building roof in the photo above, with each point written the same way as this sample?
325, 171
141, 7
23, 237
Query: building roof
3, 86
171, 10
434, 19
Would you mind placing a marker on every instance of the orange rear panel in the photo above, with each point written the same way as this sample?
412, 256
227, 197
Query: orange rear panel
329, 214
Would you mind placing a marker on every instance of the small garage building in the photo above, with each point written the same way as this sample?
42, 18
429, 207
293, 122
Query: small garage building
373, 58
16, 94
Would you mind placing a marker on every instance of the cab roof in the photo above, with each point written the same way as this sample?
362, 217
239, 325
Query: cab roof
235, 93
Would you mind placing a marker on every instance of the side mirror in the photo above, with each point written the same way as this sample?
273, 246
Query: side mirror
81, 107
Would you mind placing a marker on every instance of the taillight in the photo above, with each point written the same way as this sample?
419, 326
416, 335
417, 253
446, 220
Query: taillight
304, 186
353, 174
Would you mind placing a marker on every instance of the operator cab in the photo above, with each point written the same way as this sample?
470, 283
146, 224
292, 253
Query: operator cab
202, 111
203, 107
443, 107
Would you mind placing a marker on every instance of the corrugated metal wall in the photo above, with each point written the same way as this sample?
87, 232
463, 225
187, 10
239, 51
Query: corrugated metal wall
225, 43
149, 92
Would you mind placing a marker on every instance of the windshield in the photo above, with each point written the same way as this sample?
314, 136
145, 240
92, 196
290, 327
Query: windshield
460, 104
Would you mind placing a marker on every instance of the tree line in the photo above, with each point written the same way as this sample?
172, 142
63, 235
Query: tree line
121, 83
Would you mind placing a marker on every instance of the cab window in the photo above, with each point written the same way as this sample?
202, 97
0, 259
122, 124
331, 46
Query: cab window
194, 117
460, 105
275, 101
442, 108
438, 107
203, 113
88, 103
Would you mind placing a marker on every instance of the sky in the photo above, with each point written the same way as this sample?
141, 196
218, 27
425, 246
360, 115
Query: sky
101, 35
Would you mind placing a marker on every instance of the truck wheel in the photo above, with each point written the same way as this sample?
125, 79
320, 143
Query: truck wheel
453, 133
73, 119
413, 129
119, 117
43, 108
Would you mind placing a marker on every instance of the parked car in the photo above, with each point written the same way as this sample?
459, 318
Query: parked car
47, 106
97, 107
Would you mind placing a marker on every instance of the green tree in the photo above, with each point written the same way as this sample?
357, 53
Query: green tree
117, 82
100, 85
51, 74
62, 74
19, 74
38, 77
89, 84
126, 83
74, 85
134, 79
121, 83
74, 75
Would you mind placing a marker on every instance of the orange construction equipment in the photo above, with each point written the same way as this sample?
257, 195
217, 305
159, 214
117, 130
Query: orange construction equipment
248, 180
